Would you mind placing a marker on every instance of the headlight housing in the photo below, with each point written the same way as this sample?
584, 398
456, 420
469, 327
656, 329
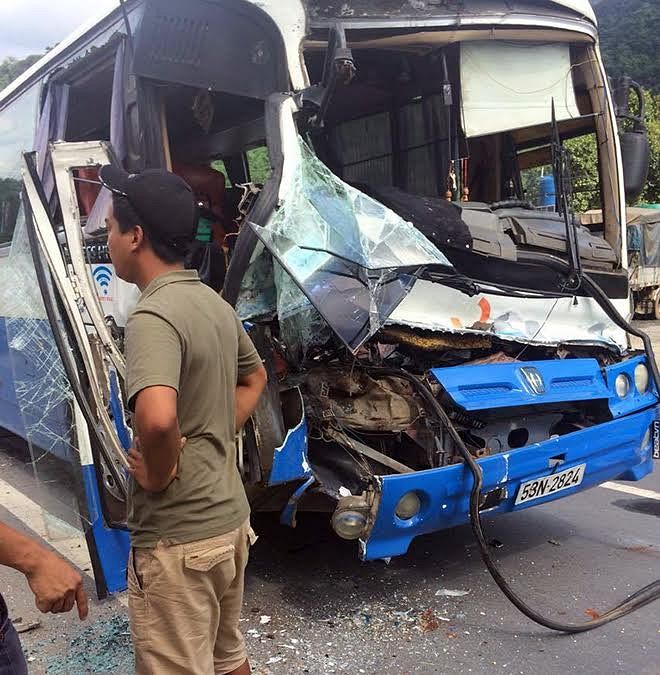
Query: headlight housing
642, 378
622, 385
409, 506
349, 524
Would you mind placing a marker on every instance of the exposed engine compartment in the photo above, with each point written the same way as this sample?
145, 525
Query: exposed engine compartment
364, 421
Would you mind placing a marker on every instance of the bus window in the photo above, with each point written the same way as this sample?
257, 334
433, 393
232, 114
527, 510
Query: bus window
259, 164
538, 186
17, 122
584, 173
538, 183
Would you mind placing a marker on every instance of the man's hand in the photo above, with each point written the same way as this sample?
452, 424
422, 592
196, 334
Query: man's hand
138, 468
248, 391
56, 586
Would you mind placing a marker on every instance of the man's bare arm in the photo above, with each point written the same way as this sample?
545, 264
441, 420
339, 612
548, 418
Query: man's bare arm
160, 442
248, 391
55, 584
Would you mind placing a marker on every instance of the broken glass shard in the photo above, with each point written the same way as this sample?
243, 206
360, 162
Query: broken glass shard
352, 257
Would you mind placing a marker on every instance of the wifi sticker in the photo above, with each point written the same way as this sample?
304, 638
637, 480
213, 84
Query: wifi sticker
102, 276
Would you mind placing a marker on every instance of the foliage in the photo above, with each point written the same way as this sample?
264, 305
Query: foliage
259, 163
11, 68
630, 39
584, 173
584, 165
651, 194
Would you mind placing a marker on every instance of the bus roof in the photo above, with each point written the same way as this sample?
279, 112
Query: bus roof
581, 7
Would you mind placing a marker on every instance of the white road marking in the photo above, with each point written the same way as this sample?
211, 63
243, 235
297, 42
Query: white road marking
61, 536
631, 490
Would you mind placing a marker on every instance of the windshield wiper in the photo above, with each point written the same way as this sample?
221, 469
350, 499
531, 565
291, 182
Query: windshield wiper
561, 171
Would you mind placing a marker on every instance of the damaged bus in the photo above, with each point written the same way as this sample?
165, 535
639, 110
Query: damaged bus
374, 184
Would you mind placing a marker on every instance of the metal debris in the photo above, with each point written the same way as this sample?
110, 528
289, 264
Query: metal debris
25, 626
449, 593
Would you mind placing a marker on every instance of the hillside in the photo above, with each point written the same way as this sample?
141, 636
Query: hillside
630, 39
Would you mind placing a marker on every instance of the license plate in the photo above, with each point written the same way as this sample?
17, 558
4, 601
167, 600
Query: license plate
549, 485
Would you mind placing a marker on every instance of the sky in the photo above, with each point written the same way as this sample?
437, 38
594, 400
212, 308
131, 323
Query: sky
29, 26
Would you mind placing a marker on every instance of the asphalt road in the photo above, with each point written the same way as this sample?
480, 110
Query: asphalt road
312, 607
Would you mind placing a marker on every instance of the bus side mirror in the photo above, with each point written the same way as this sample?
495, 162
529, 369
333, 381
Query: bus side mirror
339, 68
635, 153
633, 136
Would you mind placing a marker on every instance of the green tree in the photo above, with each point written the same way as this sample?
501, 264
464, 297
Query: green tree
630, 39
259, 163
651, 194
584, 163
11, 68
584, 173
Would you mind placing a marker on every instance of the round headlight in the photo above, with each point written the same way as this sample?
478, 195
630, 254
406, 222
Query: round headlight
642, 378
349, 524
622, 385
408, 506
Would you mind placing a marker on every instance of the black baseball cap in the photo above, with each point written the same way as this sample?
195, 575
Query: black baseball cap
164, 202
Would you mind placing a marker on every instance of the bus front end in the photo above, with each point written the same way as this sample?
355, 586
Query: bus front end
421, 235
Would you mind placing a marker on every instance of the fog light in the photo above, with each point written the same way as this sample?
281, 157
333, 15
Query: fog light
642, 378
622, 385
408, 506
349, 524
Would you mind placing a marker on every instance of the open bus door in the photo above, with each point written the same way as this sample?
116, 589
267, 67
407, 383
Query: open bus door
91, 356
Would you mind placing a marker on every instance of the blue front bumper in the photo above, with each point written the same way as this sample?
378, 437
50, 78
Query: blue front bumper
611, 451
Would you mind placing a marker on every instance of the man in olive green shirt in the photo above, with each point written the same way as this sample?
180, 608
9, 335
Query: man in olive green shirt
193, 379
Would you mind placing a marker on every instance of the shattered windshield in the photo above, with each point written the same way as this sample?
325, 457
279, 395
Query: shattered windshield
353, 258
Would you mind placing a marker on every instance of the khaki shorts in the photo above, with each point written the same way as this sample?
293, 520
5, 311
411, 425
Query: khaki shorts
185, 604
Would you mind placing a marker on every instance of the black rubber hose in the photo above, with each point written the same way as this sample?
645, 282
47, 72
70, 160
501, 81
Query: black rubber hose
638, 599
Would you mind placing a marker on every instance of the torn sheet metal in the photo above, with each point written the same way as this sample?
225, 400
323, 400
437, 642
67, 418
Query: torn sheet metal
118, 416
543, 321
290, 459
352, 257
288, 515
